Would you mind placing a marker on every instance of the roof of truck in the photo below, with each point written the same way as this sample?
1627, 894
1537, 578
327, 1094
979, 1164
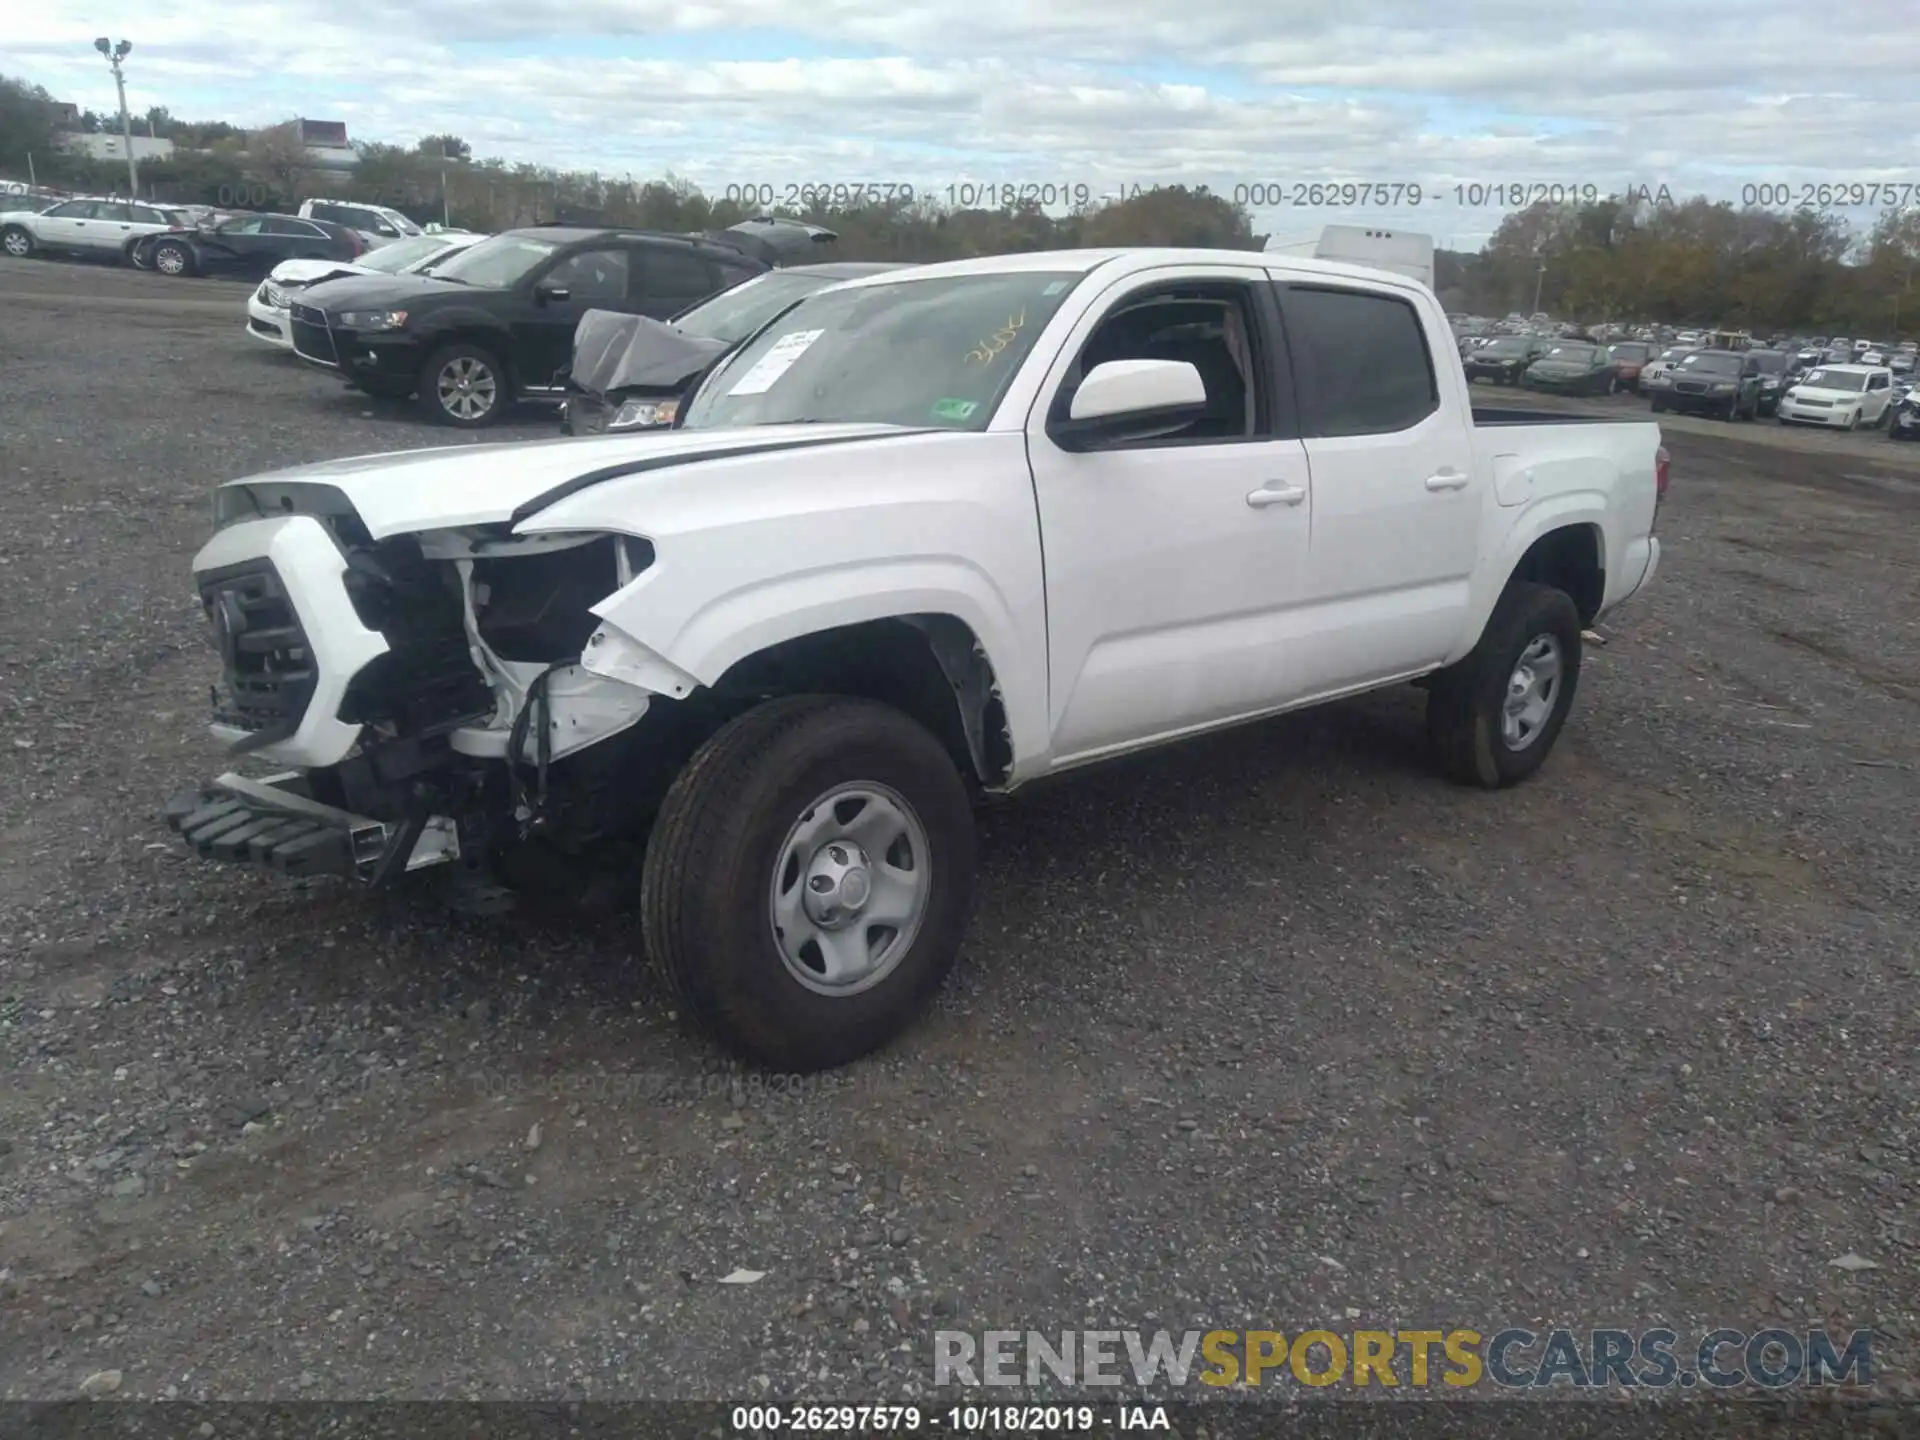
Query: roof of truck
1125, 259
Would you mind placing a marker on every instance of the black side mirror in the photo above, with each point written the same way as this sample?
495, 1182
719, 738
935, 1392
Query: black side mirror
551, 294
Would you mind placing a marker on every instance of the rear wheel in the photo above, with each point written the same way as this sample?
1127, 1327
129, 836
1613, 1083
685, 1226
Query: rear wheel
1493, 716
170, 257
17, 241
463, 385
808, 880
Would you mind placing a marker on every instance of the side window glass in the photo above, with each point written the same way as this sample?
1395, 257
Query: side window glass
592, 275
1208, 326
1360, 361
677, 275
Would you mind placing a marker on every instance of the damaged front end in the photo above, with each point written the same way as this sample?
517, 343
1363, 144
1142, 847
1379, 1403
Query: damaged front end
421, 699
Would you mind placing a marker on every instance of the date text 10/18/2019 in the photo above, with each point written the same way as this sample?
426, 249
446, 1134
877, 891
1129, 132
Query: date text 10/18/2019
955, 1419
1282, 194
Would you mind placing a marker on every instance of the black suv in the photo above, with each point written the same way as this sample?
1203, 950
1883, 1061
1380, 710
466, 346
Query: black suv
493, 324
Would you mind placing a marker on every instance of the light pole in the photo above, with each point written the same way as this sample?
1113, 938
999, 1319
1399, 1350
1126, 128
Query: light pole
1538, 280
115, 53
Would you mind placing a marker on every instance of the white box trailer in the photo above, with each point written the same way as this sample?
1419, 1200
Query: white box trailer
1403, 252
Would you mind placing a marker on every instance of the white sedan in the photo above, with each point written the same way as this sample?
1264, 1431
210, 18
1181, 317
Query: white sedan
1847, 397
267, 306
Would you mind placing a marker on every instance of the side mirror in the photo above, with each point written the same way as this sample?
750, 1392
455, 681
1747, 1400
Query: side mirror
551, 294
1130, 400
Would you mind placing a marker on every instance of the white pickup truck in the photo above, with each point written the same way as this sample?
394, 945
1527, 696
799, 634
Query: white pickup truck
928, 535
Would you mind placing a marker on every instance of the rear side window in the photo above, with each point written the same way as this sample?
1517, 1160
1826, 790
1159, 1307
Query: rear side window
1360, 361
677, 276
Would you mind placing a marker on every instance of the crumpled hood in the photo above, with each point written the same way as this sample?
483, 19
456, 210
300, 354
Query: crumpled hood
449, 487
306, 272
613, 352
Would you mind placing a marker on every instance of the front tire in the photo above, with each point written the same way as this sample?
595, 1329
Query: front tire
463, 385
1493, 716
1658, 405
17, 241
808, 880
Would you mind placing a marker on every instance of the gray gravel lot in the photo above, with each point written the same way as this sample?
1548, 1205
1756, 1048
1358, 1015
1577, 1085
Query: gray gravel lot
1272, 1030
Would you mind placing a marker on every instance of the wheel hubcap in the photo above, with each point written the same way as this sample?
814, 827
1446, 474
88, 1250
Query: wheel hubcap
466, 388
1532, 690
170, 262
850, 888
16, 244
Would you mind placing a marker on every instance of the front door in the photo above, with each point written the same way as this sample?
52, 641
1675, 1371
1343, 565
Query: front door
543, 327
1396, 501
1174, 566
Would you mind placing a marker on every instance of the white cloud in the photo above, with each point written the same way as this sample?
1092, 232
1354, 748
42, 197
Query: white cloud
1232, 93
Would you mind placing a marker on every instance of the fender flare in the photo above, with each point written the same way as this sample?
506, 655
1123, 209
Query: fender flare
671, 654
1557, 512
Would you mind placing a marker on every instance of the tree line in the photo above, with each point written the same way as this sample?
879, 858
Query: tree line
1698, 261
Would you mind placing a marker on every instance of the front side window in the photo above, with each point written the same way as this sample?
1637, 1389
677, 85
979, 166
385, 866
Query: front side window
1360, 362
591, 275
1210, 326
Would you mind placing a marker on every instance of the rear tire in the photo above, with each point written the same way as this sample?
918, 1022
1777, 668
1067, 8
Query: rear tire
173, 259
17, 241
464, 385
1470, 702
770, 799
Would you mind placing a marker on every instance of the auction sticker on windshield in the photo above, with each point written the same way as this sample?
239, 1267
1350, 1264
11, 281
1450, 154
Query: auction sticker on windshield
776, 362
954, 409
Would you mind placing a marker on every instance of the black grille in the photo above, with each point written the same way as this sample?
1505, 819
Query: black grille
268, 672
311, 337
1690, 387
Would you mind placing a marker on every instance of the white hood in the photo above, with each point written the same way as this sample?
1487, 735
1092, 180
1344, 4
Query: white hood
305, 272
449, 487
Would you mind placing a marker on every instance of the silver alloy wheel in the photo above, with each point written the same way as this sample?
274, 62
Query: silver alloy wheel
169, 260
466, 387
851, 884
1532, 690
17, 243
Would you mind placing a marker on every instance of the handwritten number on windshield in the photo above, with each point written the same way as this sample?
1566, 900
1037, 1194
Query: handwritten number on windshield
984, 352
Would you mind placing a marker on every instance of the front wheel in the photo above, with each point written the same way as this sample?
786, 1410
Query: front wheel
463, 385
1493, 716
1658, 405
1853, 421
17, 241
808, 880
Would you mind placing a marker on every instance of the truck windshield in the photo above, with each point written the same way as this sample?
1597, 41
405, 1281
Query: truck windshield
910, 352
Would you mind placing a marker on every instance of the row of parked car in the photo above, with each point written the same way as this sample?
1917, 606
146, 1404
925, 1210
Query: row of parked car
1802, 387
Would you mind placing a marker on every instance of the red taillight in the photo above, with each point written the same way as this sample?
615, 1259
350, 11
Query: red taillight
1661, 462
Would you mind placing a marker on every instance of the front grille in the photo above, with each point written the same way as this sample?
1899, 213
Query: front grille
268, 672
1690, 387
311, 337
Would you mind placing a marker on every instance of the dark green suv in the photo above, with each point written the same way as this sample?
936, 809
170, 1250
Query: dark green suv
1725, 384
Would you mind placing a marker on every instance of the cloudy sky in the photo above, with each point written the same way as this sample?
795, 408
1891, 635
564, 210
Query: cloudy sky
1253, 97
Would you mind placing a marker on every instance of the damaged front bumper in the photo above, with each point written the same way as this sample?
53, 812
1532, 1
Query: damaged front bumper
274, 824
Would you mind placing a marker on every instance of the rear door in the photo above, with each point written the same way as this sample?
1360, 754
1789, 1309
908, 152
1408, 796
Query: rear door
112, 225
1396, 500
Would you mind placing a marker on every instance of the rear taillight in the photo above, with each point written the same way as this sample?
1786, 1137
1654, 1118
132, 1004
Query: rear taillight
1661, 462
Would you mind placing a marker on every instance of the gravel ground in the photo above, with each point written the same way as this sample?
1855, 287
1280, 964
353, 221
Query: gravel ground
1273, 1030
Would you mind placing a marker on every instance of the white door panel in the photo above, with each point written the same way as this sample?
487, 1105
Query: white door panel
1396, 531
1169, 592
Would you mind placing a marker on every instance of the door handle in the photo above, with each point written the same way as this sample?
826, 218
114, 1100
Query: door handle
1276, 495
1446, 480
